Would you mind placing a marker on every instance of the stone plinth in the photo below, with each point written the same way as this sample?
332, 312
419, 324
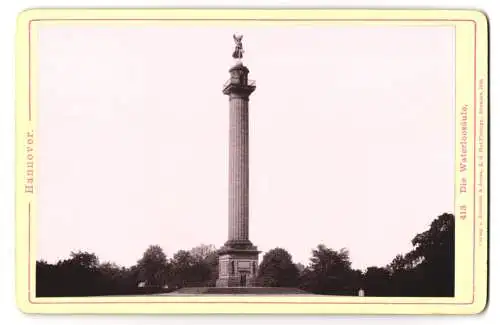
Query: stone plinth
238, 267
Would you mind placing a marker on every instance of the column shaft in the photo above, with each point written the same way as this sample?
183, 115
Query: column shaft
238, 168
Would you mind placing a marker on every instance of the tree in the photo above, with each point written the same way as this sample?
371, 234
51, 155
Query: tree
82, 275
212, 261
330, 272
438, 241
207, 260
77, 276
277, 269
46, 275
428, 270
109, 269
194, 268
153, 266
117, 280
376, 282
300, 267
84, 259
434, 254
399, 263
202, 252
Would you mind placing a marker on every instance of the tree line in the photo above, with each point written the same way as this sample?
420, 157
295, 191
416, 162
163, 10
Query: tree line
426, 271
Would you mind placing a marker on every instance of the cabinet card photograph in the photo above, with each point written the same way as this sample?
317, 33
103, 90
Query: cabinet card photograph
252, 161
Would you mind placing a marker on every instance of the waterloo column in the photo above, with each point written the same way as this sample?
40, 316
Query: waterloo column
238, 156
238, 258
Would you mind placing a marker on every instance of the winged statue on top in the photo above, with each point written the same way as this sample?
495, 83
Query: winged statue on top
238, 50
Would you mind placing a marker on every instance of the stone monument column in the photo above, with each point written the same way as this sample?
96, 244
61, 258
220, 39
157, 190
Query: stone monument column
238, 156
238, 258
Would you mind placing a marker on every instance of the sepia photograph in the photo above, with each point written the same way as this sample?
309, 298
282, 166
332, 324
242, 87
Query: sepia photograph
323, 165
167, 160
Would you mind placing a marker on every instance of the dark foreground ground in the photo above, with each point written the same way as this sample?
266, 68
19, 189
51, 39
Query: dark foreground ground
239, 291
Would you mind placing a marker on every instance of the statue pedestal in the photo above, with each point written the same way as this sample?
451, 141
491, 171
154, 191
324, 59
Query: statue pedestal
238, 265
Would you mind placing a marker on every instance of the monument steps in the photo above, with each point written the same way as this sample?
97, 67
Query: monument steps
241, 291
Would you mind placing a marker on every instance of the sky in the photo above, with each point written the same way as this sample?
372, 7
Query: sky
351, 138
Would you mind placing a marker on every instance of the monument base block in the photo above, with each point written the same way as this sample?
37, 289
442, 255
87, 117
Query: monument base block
237, 265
